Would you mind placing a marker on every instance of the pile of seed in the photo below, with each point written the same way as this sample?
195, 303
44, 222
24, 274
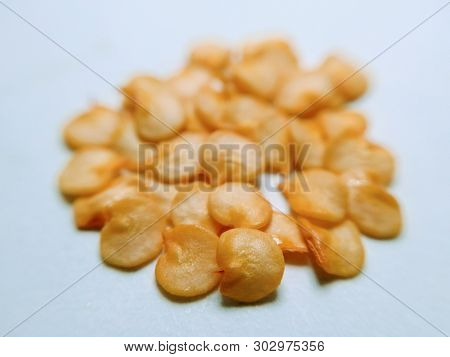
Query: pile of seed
200, 210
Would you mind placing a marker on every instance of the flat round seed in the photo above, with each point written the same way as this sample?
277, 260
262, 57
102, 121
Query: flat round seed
133, 235
317, 194
338, 250
89, 171
347, 79
178, 160
210, 55
244, 114
188, 266
226, 156
257, 77
375, 211
191, 207
340, 122
127, 144
210, 108
285, 231
97, 127
252, 264
234, 204
92, 212
355, 152
277, 50
138, 91
306, 93
273, 136
160, 117
306, 134
356, 177
193, 121
191, 80
163, 193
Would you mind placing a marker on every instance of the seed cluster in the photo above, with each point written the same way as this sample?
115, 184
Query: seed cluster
209, 131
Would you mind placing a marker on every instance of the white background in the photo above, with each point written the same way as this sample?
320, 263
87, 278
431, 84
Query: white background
41, 87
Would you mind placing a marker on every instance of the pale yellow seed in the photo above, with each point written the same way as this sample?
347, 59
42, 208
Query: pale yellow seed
97, 127
285, 231
191, 80
89, 171
309, 141
337, 250
354, 177
348, 80
355, 152
252, 264
178, 159
193, 121
244, 114
227, 156
234, 204
210, 55
164, 193
317, 194
258, 77
161, 117
340, 122
210, 108
133, 235
306, 93
375, 211
127, 143
191, 207
138, 91
275, 49
273, 136
188, 266
92, 212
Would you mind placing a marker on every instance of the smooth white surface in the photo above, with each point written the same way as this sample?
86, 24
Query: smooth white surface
41, 87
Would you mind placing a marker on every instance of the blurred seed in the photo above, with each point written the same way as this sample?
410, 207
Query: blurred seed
354, 177
227, 156
178, 161
244, 114
345, 77
127, 144
275, 49
191, 207
260, 78
273, 136
138, 92
97, 127
91, 212
265, 66
161, 117
191, 80
375, 211
252, 264
316, 194
355, 152
307, 133
188, 265
210, 108
306, 93
210, 55
337, 123
193, 121
234, 204
89, 171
